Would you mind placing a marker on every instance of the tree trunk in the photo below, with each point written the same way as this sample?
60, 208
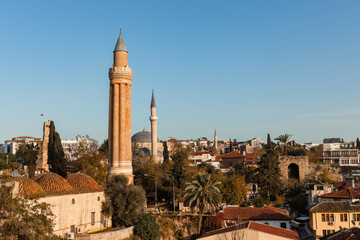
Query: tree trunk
200, 222
32, 168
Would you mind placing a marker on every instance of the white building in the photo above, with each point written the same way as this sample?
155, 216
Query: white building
198, 158
11, 146
339, 152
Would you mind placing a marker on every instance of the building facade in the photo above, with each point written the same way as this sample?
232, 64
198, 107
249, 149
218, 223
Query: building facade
328, 217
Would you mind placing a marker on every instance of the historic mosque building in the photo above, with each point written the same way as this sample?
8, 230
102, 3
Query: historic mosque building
146, 142
75, 200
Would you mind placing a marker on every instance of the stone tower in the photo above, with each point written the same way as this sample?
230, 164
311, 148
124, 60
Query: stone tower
153, 120
120, 76
215, 142
42, 165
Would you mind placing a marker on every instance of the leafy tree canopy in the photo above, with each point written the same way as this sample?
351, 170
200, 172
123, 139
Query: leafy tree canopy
147, 228
21, 218
90, 160
125, 203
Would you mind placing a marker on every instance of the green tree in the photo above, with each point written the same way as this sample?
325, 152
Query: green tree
234, 189
202, 195
104, 148
295, 196
269, 143
357, 143
90, 160
268, 175
30, 153
166, 152
147, 228
125, 203
22, 218
284, 139
56, 157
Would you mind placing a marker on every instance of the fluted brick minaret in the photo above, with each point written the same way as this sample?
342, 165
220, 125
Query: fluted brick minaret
153, 120
120, 75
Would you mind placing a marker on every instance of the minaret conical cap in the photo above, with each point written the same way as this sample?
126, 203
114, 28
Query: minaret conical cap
120, 45
153, 99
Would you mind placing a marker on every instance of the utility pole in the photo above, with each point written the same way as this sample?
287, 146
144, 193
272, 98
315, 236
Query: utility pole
148, 175
173, 178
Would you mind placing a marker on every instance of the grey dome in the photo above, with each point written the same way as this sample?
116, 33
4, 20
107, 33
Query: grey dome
143, 136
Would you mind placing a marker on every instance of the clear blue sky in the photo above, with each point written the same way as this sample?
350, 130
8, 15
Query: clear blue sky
245, 68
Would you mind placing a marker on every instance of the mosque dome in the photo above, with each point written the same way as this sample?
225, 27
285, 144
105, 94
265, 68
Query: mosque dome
28, 187
141, 137
51, 182
83, 182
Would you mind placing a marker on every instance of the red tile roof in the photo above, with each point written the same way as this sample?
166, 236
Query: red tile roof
345, 184
51, 182
350, 234
201, 153
275, 230
348, 193
80, 181
249, 213
250, 156
258, 227
28, 187
232, 155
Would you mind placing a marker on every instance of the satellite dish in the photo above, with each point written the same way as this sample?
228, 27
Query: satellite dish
353, 222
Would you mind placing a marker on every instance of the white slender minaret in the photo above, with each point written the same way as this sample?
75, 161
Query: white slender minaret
215, 142
153, 120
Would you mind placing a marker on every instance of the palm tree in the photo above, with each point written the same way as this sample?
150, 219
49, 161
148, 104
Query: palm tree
202, 194
284, 139
31, 152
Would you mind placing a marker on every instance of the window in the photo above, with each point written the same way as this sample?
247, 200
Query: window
98, 198
343, 217
283, 225
92, 218
73, 201
72, 228
356, 217
327, 217
320, 187
324, 232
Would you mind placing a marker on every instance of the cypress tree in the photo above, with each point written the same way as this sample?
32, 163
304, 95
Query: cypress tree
268, 175
269, 143
357, 143
166, 152
56, 156
231, 148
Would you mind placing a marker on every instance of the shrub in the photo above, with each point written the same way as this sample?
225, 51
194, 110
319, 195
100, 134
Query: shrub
147, 228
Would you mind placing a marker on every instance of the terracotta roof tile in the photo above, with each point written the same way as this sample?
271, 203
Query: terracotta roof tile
287, 234
28, 187
232, 155
83, 182
345, 184
348, 193
339, 206
350, 234
274, 230
249, 213
53, 183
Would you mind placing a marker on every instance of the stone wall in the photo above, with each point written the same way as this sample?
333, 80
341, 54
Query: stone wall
108, 235
301, 161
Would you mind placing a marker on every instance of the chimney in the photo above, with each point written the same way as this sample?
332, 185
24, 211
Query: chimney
352, 183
